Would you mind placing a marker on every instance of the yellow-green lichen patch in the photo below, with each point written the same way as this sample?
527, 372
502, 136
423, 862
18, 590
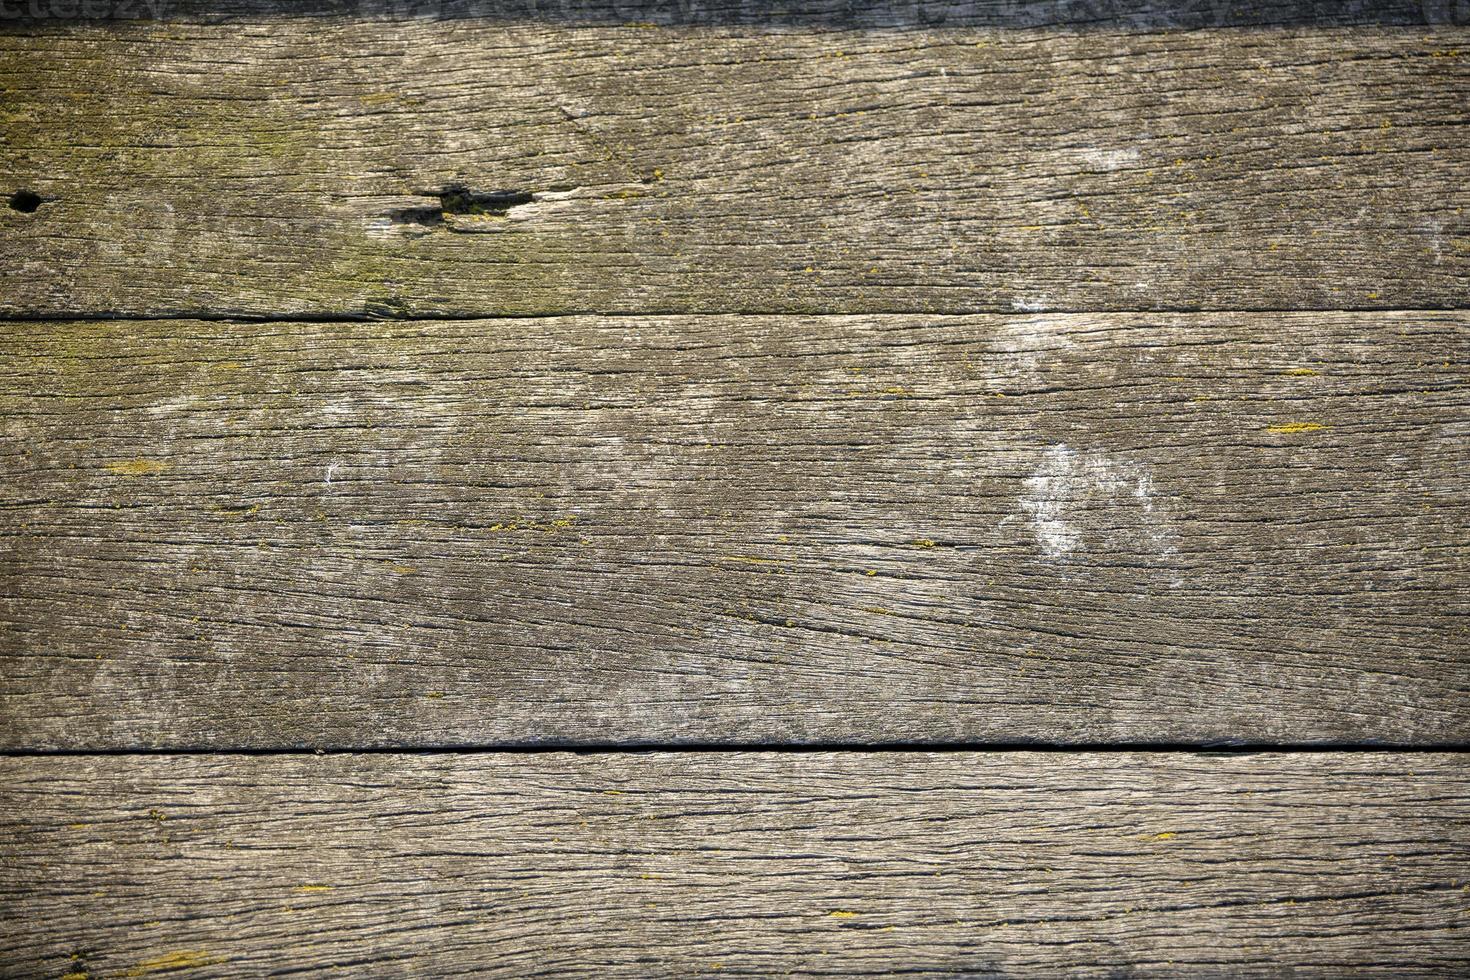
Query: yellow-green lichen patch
841, 914
1294, 428
1302, 372
525, 524
184, 959
138, 467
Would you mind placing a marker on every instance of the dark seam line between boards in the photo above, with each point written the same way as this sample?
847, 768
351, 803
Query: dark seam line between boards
802, 748
627, 314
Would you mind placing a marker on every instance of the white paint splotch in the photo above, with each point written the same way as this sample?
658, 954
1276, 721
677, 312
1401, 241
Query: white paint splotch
1079, 497
1022, 344
1031, 304
1048, 500
1094, 158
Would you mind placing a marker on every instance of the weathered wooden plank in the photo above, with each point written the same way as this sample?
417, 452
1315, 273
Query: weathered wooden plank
1072, 15
283, 166
1071, 527
699, 865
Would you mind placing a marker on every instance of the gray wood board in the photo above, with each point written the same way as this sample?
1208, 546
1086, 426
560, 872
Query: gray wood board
842, 864
1061, 15
294, 167
1076, 528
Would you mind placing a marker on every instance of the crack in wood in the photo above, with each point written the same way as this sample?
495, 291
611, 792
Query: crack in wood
460, 208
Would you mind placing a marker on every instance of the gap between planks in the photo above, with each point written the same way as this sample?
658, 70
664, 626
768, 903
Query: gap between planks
649, 314
777, 748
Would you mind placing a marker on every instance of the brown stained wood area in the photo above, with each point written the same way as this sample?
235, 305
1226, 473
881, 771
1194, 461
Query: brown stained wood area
981, 485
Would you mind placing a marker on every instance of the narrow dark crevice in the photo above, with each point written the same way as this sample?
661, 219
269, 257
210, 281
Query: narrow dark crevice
1222, 748
360, 317
457, 200
461, 200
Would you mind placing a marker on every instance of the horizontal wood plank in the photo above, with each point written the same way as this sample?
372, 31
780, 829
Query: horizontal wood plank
748, 864
1070, 528
484, 167
1070, 15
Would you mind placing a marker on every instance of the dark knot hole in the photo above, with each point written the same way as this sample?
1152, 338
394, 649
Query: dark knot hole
25, 201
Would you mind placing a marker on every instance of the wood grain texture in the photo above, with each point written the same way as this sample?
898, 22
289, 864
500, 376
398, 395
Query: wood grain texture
1056, 15
285, 166
843, 864
1072, 528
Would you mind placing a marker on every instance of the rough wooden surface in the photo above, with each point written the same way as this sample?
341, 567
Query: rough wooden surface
286, 166
1063, 527
706, 865
1055, 15
1044, 522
